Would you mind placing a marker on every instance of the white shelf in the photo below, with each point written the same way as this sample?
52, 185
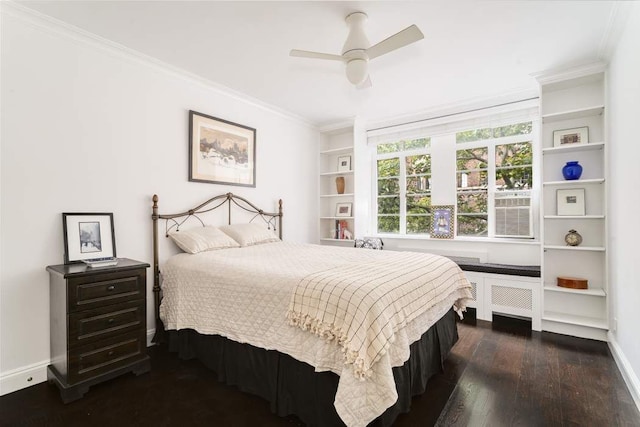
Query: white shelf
591, 322
592, 292
337, 195
327, 239
575, 248
594, 110
574, 217
575, 182
336, 173
336, 217
334, 151
574, 148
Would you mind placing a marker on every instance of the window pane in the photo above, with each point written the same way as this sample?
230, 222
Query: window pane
391, 147
418, 164
472, 226
475, 158
418, 184
417, 143
472, 202
418, 224
388, 167
518, 154
471, 180
388, 186
473, 135
517, 129
388, 205
418, 204
388, 224
514, 178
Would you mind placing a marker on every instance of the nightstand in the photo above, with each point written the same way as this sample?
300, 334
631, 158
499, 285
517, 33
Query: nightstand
98, 324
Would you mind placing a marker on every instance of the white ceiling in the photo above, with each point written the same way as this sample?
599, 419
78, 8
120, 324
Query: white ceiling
471, 50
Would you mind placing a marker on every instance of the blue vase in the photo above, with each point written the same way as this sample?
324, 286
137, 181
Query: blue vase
571, 171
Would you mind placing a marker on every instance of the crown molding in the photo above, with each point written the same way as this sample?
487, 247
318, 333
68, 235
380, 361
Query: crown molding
557, 75
60, 28
616, 25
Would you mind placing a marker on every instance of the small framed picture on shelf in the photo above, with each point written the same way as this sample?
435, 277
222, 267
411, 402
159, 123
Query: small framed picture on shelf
344, 163
442, 219
570, 202
565, 137
343, 209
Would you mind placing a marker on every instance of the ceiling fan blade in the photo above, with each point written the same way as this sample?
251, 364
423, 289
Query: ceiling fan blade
407, 36
366, 84
315, 55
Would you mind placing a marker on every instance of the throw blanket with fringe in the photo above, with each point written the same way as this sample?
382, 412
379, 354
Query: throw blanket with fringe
361, 306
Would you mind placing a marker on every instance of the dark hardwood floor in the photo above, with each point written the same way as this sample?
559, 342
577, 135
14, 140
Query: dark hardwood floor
499, 374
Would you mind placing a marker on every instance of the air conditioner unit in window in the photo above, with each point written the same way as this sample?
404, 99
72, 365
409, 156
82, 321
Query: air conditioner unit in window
513, 215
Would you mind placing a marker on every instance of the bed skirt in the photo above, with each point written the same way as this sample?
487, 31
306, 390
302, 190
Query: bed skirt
293, 387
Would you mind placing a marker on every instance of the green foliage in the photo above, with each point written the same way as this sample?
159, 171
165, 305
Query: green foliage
473, 202
388, 186
472, 159
418, 204
404, 145
418, 224
388, 205
389, 167
388, 224
498, 132
472, 225
513, 166
418, 165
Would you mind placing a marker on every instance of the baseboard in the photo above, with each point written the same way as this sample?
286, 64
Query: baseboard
633, 384
24, 377
150, 334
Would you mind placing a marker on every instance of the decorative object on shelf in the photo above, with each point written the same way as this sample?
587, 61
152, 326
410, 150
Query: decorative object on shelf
570, 136
340, 184
572, 171
221, 152
344, 163
347, 234
573, 238
570, 202
88, 236
573, 282
442, 222
343, 209
341, 231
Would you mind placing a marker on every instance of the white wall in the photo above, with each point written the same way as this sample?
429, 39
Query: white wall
624, 203
87, 127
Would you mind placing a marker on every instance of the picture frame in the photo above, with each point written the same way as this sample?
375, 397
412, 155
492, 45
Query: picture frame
88, 236
343, 209
570, 202
564, 137
442, 222
221, 152
344, 163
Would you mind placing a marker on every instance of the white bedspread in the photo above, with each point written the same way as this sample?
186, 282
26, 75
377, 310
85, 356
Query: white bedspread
244, 294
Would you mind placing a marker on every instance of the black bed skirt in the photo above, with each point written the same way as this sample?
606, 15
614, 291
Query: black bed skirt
293, 387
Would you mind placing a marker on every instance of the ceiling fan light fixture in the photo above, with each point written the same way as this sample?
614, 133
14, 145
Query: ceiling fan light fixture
357, 71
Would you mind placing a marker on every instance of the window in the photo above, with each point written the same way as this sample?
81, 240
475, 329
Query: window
493, 174
403, 182
498, 160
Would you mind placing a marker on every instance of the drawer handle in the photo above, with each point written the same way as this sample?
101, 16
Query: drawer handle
111, 320
111, 287
110, 353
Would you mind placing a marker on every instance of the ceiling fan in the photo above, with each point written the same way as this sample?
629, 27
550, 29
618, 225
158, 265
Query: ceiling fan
357, 50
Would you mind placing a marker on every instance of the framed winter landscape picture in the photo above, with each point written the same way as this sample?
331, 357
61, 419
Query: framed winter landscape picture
221, 152
88, 236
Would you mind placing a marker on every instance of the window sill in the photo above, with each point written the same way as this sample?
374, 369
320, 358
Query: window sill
499, 240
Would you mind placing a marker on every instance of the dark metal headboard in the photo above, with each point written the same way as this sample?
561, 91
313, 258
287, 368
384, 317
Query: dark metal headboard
174, 221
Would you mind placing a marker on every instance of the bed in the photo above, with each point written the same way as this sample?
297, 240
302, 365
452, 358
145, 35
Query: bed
333, 335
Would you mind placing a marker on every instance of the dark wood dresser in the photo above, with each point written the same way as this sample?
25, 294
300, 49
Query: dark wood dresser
98, 324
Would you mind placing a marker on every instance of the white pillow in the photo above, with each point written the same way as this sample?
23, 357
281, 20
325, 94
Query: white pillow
249, 234
201, 239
